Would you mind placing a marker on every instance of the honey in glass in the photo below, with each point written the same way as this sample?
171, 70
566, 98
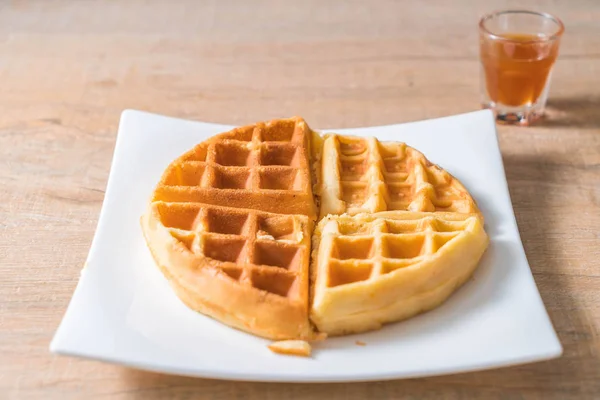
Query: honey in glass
516, 69
518, 50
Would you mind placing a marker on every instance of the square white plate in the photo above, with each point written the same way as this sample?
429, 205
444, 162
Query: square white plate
123, 310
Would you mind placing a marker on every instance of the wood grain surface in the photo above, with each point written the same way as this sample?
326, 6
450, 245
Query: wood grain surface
68, 69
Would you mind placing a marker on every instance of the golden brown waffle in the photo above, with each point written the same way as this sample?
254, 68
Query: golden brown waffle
230, 225
244, 267
370, 269
364, 175
262, 166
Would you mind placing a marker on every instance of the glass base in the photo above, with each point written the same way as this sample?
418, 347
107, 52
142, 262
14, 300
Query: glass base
524, 116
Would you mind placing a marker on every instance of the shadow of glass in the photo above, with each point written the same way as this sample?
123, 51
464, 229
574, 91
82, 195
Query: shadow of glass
577, 112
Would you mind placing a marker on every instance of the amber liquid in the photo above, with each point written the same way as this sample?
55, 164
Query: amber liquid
516, 70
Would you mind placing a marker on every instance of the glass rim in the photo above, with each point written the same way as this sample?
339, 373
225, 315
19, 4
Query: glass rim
557, 34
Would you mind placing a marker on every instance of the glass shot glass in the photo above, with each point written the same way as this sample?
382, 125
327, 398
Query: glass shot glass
517, 50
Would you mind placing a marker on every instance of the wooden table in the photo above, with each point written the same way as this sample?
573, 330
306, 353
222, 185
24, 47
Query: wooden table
67, 70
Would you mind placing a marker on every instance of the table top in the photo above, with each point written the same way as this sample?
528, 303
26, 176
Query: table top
68, 69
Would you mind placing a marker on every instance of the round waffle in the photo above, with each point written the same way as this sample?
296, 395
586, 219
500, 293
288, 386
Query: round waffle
230, 225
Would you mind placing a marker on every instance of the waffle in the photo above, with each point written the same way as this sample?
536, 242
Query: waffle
362, 175
230, 224
246, 268
370, 269
262, 166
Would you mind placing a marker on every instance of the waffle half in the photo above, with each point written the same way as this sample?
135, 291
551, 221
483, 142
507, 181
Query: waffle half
370, 269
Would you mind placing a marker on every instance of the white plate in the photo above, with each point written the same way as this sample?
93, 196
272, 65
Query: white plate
123, 310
